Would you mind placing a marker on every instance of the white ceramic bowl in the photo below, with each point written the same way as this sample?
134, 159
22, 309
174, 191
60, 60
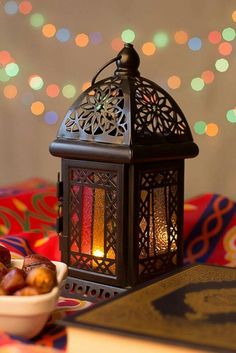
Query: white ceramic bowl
26, 316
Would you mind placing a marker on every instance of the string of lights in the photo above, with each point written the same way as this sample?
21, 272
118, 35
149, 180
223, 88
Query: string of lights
9, 68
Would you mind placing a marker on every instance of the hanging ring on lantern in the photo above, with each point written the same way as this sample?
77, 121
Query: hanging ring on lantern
118, 57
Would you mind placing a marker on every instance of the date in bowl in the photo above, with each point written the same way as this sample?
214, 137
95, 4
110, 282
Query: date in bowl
26, 315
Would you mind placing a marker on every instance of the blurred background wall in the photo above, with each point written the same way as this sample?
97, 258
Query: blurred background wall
50, 50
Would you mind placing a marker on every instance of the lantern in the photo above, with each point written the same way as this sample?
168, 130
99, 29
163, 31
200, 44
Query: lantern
122, 143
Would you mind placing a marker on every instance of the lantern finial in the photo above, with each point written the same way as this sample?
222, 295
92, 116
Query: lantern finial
128, 61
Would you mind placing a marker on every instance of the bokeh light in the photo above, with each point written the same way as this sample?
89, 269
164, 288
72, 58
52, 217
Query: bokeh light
234, 16
214, 37
63, 35
128, 36
27, 98
85, 86
25, 7
36, 20
174, 82
3, 76
200, 127
37, 108
161, 39
225, 48
51, 117
231, 115
35, 82
11, 7
195, 43
221, 65
82, 40
69, 91
148, 48
197, 84
117, 44
49, 30
95, 37
5, 57
208, 76
52, 90
228, 34
212, 129
10, 91
12, 69
181, 37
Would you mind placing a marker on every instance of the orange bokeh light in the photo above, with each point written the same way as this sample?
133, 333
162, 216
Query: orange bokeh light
225, 48
37, 108
49, 30
234, 16
117, 44
174, 82
52, 90
81, 40
10, 91
208, 76
25, 7
212, 129
148, 48
181, 37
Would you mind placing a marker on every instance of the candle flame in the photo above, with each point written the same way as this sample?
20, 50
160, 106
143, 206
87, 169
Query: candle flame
98, 253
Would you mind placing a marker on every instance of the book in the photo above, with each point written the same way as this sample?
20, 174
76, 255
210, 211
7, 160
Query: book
190, 310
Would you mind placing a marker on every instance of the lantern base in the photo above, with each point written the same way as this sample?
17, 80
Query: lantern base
91, 291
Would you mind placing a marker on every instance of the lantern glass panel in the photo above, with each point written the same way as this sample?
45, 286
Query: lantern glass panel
93, 215
157, 224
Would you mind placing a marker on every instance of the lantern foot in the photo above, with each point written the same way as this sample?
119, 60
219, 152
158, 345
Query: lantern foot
91, 291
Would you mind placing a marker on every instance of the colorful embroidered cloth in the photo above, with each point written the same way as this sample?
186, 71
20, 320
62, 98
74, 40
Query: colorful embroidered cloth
28, 214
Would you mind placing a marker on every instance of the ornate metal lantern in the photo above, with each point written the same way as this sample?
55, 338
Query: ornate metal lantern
123, 144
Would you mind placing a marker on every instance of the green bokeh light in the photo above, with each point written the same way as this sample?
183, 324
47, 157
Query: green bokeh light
228, 34
12, 69
3, 76
231, 115
200, 127
128, 36
69, 91
161, 39
36, 20
197, 84
222, 65
36, 83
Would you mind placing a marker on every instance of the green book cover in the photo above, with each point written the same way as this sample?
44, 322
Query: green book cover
196, 306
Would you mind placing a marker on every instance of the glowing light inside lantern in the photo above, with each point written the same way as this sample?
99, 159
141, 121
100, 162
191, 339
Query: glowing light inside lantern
98, 253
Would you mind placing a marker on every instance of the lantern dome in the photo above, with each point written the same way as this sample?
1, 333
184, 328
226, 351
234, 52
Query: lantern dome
126, 110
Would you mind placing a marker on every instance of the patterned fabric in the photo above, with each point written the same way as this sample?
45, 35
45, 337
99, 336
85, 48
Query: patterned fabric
27, 225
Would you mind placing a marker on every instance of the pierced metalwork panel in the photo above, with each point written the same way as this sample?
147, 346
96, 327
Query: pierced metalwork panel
157, 220
157, 113
99, 113
93, 220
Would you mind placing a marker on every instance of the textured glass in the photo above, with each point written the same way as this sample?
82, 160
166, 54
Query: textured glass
98, 223
87, 209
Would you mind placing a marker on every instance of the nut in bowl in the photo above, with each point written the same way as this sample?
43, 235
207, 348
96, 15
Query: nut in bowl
28, 295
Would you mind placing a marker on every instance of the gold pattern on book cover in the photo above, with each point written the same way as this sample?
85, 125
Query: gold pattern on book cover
197, 305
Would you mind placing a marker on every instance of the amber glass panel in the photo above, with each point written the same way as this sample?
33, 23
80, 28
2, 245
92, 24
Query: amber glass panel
98, 223
87, 214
